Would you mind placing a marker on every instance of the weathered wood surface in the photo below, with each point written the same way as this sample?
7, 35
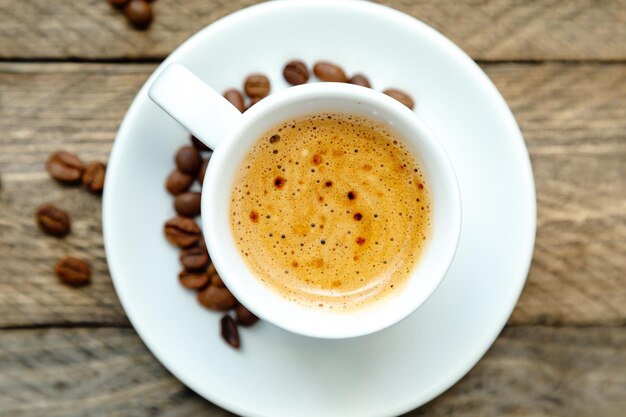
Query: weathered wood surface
487, 30
530, 371
572, 117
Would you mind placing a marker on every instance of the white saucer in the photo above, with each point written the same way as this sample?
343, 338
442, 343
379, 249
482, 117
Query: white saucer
277, 373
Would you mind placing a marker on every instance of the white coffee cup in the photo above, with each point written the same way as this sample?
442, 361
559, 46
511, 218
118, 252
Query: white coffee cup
231, 134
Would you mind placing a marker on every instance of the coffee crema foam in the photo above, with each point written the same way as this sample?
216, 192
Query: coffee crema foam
331, 211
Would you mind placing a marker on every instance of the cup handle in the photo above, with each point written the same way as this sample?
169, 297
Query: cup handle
195, 105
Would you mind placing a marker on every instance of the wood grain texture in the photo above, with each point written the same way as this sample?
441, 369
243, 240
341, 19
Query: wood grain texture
573, 121
573, 118
487, 30
532, 371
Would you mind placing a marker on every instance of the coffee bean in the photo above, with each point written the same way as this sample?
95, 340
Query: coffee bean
235, 98
187, 204
360, 79
216, 298
253, 101
296, 73
195, 258
72, 271
138, 13
401, 96
118, 3
182, 232
244, 316
216, 280
327, 71
229, 331
65, 167
188, 160
93, 177
257, 85
52, 220
198, 144
178, 182
214, 277
202, 171
193, 280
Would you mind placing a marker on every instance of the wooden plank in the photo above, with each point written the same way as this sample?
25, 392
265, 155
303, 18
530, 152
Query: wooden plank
572, 117
492, 30
574, 122
530, 371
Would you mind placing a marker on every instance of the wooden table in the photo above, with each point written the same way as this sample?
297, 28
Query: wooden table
68, 71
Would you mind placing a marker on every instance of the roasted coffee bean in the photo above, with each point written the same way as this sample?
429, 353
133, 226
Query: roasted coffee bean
235, 98
182, 232
401, 96
188, 160
52, 220
253, 101
327, 71
296, 73
360, 79
118, 3
138, 13
93, 177
216, 298
65, 167
229, 331
257, 85
195, 258
178, 182
72, 271
193, 280
202, 171
198, 144
216, 280
244, 316
187, 204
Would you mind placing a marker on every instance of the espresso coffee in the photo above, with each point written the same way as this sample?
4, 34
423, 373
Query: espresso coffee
331, 211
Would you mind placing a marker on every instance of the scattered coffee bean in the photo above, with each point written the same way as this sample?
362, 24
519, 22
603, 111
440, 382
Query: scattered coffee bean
72, 271
188, 160
257, 85
327, 71
193, 280
253, 101
178, 182
65, 167
214, 277
216, 298
52, 220
360, 79
235, 98
401, 96
229, 331
296, 73
138, 13
244, 316
187, 204
182, 232
93, 177
216, 280
118, 3
195, 258
202, 171
198, 144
